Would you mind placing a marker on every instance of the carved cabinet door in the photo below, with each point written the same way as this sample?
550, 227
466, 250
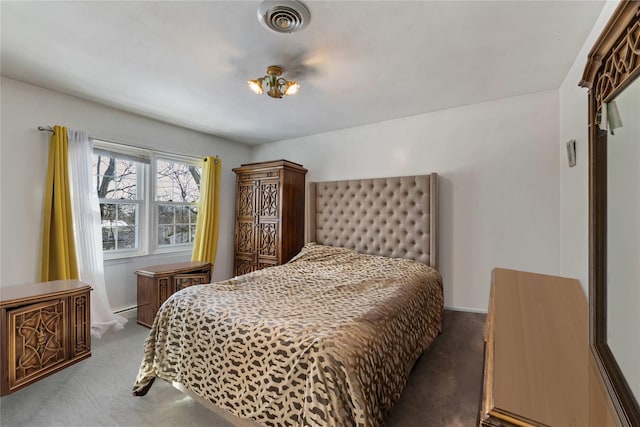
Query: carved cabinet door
257, 224
37, 340
245, 226
267, 232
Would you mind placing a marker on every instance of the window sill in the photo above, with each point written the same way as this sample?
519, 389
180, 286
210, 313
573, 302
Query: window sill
160, 255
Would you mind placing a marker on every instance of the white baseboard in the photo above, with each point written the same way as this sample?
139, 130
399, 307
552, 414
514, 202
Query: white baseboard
128, 313
466, 309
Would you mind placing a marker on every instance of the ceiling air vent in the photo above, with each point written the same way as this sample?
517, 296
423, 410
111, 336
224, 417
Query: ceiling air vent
284, 16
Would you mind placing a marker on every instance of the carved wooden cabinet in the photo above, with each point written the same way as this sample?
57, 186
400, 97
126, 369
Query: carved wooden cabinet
44, 327
269, 214
158, 282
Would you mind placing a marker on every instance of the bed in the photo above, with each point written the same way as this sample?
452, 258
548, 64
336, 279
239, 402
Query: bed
328, 338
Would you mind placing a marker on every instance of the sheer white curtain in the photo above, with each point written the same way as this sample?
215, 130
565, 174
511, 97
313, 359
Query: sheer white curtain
88, 233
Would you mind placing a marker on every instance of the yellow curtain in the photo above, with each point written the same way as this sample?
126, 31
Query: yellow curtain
58, 255
206, 239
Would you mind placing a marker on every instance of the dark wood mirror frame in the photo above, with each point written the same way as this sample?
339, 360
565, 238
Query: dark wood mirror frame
613, 63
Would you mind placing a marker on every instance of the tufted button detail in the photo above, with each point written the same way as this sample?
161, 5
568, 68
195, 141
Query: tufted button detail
384, 216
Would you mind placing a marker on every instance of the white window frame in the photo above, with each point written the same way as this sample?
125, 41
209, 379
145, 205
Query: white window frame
147, 205
153, 214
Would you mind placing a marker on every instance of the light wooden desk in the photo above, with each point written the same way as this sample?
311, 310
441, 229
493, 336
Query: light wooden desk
539, 370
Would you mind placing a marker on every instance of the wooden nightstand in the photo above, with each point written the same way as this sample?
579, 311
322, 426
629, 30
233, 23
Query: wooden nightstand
158, 282
44, 327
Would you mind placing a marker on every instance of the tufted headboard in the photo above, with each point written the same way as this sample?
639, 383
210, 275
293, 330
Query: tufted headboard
394, 217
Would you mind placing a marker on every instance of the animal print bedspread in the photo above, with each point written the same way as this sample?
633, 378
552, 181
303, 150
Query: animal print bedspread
327, 339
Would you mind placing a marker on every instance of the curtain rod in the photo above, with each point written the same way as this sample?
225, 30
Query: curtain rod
50, 129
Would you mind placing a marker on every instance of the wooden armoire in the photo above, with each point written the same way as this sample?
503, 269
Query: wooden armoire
269, 214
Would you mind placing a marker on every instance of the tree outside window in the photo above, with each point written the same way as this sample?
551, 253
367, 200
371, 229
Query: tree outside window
116, 182
131, 226
177, 195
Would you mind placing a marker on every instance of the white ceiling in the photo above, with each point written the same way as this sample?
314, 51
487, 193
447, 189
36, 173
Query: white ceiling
358, 62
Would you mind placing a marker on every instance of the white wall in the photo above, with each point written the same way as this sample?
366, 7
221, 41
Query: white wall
574, 182
499, 181
501, 188
23, 173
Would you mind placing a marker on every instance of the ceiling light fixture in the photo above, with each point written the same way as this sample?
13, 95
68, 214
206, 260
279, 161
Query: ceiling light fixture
276, 86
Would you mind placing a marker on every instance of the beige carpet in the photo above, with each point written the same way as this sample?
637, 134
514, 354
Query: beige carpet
443, 390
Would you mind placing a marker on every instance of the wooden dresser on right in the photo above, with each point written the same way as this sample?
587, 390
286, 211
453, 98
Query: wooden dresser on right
539, 370
270, 203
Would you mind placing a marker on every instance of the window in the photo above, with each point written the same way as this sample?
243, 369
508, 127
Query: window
118, 185
177, 190
141, 215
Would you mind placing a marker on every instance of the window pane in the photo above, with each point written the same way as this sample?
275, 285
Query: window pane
182, 234
107, 213
176, 224
103, 172
126, 238
127, 214
115, 178
165, 235
108, 238
119, 226
177, 182
182, 214
193, 233
126, 184
165, 214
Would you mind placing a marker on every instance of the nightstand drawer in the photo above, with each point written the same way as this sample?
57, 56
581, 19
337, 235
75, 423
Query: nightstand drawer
182, 281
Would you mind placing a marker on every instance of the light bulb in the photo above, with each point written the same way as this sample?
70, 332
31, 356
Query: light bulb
256, 86
291, 88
